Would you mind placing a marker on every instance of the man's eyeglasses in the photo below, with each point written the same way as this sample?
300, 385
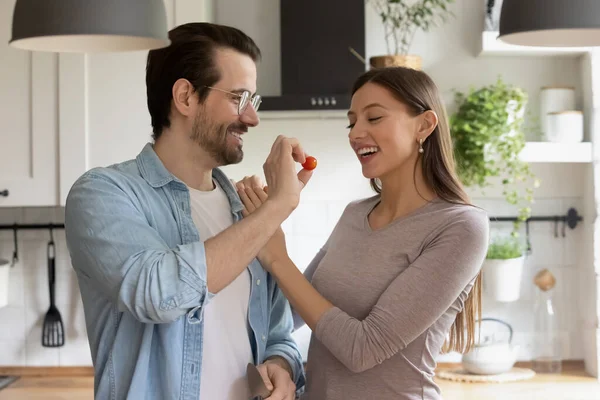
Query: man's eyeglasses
245, 98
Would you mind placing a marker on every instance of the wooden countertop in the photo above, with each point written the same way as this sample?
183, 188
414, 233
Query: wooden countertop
572, 384
76, 383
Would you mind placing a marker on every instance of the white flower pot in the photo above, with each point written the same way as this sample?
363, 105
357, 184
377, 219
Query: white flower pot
553, 99
502, 278
4, 280
564, 127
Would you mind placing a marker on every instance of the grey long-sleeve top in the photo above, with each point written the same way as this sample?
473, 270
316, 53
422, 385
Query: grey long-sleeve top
396, 292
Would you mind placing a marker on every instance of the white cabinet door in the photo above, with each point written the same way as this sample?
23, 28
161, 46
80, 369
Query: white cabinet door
29, 115
104, 117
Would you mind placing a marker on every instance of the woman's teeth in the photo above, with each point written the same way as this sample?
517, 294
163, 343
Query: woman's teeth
367, 151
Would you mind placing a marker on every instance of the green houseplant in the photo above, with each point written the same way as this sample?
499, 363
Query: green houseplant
503, 269
488, 135
504, 248
401, 19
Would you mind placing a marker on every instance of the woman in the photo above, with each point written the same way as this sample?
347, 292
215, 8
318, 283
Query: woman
400, 270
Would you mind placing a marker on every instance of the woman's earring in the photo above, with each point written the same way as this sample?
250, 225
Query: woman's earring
421, 146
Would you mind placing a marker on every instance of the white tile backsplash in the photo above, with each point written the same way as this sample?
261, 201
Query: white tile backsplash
21, 321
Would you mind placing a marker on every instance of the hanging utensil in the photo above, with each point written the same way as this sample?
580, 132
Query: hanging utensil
15, 257
53, 332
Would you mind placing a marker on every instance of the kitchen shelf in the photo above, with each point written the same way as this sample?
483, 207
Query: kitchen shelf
547, 152
491, 45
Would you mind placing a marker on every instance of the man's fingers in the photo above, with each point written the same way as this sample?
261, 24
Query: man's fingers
291, 393
279, 393
304, 176
264, 374
289, 143
297, 151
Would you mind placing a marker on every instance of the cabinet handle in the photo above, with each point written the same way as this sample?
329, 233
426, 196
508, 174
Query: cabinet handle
4, 192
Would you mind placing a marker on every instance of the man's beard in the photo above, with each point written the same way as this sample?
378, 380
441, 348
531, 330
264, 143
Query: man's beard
213, 137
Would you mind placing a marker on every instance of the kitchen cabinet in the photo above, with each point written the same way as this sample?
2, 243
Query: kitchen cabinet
103, 116
66, 113
29, 115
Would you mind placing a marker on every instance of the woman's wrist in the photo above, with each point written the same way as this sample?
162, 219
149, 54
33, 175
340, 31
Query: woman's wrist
279, 264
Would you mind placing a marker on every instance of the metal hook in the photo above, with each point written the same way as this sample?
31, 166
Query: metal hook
51, 247
527, 236
556, 226
564, 228
15, 257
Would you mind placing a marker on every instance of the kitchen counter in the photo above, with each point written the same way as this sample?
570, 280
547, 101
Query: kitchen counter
572, 384
77, 384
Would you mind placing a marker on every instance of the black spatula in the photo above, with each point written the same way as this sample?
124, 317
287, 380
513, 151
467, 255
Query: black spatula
53, 332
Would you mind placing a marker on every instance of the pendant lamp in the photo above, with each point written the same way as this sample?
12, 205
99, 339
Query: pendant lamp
89, 26
550, 23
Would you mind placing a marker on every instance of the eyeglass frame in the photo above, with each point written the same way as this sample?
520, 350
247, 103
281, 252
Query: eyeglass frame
254, 100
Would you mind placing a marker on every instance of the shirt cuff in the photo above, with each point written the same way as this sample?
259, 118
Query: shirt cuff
294, 362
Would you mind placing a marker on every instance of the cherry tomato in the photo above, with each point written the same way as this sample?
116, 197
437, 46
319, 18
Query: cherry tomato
310, 163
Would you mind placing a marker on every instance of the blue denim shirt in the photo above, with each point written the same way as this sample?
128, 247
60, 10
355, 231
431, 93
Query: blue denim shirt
141, 268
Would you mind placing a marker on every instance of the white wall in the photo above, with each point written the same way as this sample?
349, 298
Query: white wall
449, 55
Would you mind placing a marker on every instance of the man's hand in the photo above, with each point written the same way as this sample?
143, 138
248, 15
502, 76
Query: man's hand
277, 377
284, 183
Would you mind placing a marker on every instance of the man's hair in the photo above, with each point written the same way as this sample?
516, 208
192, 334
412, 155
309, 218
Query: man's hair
191, 55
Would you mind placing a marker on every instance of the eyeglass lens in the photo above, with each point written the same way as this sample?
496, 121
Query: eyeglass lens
256, 100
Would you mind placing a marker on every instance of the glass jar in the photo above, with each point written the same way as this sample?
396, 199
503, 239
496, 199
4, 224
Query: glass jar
547, 357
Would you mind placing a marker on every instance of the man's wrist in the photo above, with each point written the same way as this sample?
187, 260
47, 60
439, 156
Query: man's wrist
278, 209
282, 362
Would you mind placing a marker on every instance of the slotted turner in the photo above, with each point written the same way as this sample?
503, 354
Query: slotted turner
53, 332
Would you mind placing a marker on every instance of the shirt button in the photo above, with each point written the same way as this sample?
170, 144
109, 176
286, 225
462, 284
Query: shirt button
258, 282
264, 338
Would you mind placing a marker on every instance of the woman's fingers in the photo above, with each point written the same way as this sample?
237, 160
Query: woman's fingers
252, 195
261, 194
248, 204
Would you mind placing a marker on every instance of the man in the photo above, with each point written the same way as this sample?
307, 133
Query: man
176, 303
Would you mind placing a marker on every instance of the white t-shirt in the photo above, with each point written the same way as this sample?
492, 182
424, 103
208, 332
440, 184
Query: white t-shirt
226, 348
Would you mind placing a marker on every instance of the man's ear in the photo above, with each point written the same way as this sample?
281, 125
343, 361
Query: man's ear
183, 97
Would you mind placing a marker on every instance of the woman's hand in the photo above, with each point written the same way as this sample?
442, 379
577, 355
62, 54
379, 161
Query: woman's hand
253, 194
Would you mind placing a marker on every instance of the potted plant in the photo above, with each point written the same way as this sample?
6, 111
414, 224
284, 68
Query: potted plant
401, 20
503, 269
488, 135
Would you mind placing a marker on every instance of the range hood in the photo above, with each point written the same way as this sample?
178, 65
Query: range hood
307, 61
317, 66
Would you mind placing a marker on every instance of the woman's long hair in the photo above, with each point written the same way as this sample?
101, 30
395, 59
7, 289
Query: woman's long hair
418, 91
